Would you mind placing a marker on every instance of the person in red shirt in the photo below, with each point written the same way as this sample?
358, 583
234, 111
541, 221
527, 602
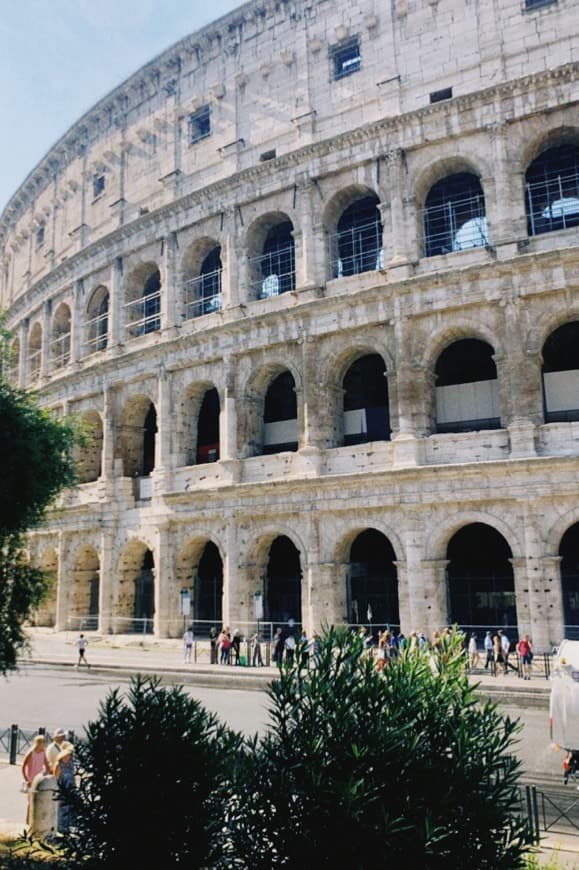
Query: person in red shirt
525, 652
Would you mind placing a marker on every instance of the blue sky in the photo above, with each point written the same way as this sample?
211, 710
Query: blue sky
58, 57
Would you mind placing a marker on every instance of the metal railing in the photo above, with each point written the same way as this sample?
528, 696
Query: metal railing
34, 364
357, 250
16, 741
60, 350
553, 204
143, 316
548, 809
455, 225
96, 330
203, 295
276, 271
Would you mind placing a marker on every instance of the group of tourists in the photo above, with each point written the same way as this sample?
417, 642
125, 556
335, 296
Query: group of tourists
498, 650
53, 759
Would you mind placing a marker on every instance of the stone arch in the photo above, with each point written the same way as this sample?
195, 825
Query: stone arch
552, 182
194, 566
365, 406
251, 413
201, 272
546, 323
89, 455
60, 341
424, 177
372, 580
557, 530
445, 527
135, 593
439, 341
134, 443
83, 608
480, 579
143, 300
532, 148
35, 351
353, 223
569, 572
560, 373
271, 255
97, 320
467, 388
189, 413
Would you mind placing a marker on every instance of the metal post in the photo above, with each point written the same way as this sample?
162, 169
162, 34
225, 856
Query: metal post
13, 743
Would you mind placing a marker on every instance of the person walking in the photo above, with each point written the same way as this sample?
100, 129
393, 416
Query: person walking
488, 647
81, 646
64, 773
187, 645
58, 745
34, 762
473, 655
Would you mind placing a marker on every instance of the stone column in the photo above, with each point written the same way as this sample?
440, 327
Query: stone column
63, 584
116, 303
164, 420
398, 247
172, 302
553, 590
404, 602
241, 580
45, 361
24, 332
164, 583
434, 604
106, 583
327, 591
229, 274
108, 456
77, 323
308, 268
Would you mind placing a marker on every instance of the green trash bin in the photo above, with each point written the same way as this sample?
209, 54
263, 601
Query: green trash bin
243, 661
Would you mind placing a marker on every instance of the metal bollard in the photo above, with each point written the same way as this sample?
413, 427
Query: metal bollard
13, 743
43, 806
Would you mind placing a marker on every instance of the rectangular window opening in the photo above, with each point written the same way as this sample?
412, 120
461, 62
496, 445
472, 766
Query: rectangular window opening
346, 59
200, 124
40, 232
439, 96
98, 185
537, 4
268, 155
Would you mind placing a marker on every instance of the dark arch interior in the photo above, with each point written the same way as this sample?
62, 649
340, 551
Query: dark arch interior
465, 362
481, 587
149, 435
569, 552
561, 350
278, 260
552, 195
209, 588
145, 594
359, 237
561, 374
283, 592
454, 215
208, 428
373, 581
152, 302
280, 405
366, 392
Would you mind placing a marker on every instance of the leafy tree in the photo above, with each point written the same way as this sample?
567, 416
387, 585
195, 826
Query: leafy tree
36, 450
152, 768
363, 769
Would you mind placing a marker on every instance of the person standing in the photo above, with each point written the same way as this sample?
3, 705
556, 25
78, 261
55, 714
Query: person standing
236, 645
187, 645
81, 646
278, 647
473, 652
64, 773
525, 651
213, 645
225, 645
506, 648
58, 745
488, 646
290, 649
256, 658
498, 653
35, 762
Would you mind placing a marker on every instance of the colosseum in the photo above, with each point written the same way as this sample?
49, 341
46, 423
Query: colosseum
309, 279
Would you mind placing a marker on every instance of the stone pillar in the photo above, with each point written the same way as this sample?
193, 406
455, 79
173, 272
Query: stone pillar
77, 323
240, 581
229, 274
398, 247
228, 416
404, 602
24, 332
433, 607
172, 301
412, 390
308, 271
327, 595
553, 589
164, 583
45, 361
164, 420
116, 303
108, 456
63, 584
106, 584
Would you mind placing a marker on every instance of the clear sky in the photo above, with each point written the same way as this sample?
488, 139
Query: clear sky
59, 57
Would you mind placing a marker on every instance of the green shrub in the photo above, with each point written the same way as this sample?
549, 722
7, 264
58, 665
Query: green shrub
363, 769
150, 769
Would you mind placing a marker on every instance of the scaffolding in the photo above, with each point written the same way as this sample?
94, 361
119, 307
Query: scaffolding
142, 316
357, 249
553, 204
277, 271
203, 295
96, 331
60, 350
455, 225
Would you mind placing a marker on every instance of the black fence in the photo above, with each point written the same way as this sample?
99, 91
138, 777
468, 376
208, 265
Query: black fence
550, 810
15, 741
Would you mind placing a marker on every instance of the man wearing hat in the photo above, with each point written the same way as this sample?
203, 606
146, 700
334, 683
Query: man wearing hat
58, 745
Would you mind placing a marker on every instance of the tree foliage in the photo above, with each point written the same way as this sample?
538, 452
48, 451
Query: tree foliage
364, 768
36, 449
151, 767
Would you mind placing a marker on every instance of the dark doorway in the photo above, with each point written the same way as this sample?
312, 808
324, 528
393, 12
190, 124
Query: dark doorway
280, 415
209, 586
569, 552
149, 435
208, 428
359, 238
366, 407
283, 584
373, 586
481, 586
145, 595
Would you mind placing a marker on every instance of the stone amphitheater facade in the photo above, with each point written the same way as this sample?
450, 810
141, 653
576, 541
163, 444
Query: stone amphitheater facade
310, 279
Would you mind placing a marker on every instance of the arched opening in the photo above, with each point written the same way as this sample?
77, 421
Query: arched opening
273, 270
143, 306
366, 406
135, 611
280, 423
45, 613
467, 394
481, 586
552, 190
373, 581
35, 352
83, 611
569, 553
203, 292
208, 592
454, 215
97, 324
208, 428
561, 374
283, 583
149, 438
357, 245
89, 454
61, 336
